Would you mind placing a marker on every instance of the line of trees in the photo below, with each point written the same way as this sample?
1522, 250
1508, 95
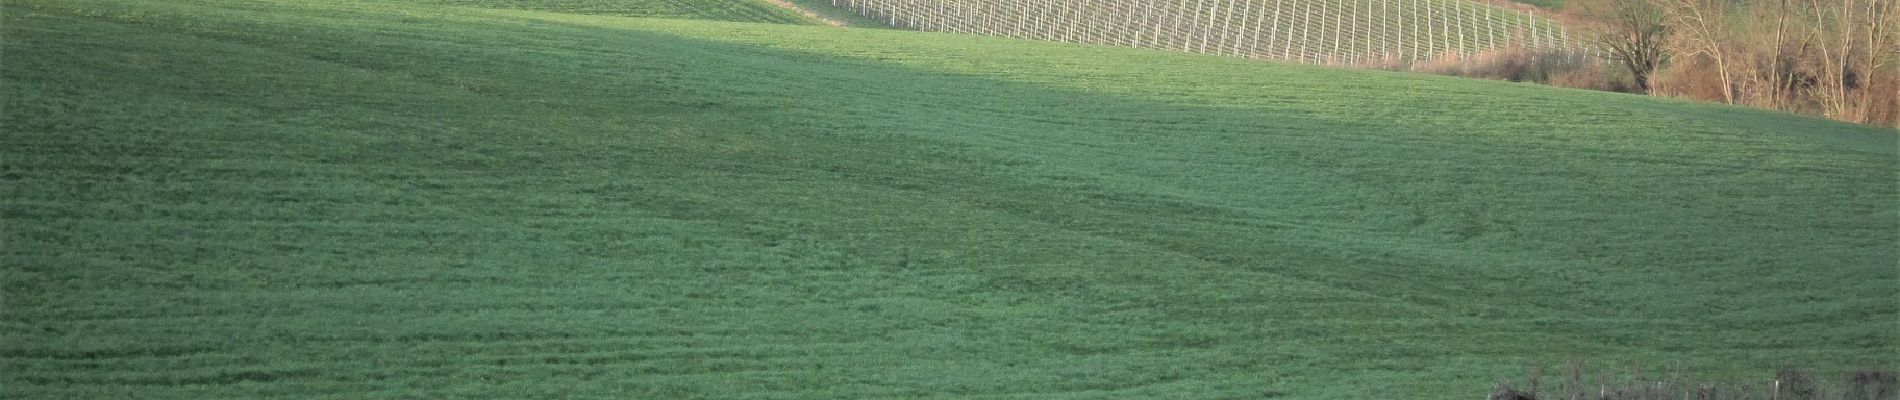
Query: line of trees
1835, 58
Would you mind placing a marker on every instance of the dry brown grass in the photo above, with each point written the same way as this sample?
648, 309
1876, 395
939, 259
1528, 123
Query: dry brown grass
1638, 384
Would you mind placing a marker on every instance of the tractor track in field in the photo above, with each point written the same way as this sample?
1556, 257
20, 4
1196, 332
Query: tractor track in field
809, 13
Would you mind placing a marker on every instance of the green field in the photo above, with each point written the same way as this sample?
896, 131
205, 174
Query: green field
716, 10
378, 199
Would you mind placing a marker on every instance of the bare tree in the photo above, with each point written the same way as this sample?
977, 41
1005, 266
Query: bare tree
1704, 31
1832, 65
1881, 28
1775, 51
1631, 33
1851, 65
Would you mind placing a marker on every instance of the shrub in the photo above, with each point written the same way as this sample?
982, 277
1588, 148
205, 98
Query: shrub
1519, 64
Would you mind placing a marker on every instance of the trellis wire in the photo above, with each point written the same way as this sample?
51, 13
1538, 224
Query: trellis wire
1311, 31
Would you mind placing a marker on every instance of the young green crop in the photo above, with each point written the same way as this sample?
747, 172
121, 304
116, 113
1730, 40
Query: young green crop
373, 199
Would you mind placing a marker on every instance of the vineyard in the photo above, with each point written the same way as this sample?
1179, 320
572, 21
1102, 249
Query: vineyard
1313, 31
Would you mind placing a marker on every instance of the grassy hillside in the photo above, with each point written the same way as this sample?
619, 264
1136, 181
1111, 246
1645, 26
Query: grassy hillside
717, 10
357, 199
